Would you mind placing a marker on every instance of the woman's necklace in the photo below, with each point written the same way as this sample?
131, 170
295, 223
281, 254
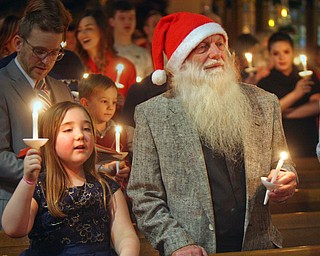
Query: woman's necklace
104, 131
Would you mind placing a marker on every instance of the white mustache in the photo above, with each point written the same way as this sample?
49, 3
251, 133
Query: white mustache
214, 63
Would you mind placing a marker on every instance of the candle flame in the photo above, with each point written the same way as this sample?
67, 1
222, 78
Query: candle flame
303, 59
284, 155
248, 56
120, 67
64, 44
85, 75
37, 106
118, 128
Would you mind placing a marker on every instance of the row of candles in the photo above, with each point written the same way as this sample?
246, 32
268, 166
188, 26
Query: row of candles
303, 60
37, 107
35, 133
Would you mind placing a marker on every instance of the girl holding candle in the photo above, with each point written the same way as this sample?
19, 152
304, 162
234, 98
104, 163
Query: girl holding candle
298, 96
69, 195
98, 55
98, 94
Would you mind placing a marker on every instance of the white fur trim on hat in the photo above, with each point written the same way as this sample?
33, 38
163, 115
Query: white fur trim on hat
191, 41
159, 77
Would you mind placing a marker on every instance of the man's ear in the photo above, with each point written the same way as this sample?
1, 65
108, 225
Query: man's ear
18, 42
84, 102
111, 22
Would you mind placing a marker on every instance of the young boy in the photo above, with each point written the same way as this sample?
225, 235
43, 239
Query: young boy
122, 20
98, 93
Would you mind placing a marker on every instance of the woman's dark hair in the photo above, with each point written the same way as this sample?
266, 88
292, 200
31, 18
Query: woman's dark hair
104, 44
279, 37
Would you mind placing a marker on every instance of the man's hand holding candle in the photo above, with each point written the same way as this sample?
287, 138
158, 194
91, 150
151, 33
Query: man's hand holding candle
287, 183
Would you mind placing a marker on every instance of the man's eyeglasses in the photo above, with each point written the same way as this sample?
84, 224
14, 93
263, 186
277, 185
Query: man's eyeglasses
42, 53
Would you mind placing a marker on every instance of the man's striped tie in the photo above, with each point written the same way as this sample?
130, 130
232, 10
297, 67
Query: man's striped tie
43, 94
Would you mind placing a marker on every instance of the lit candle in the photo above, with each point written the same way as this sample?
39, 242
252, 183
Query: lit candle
64, 44
283, 156
303, 59
119, 68
85, 75
248, 56
118, 130
36, 107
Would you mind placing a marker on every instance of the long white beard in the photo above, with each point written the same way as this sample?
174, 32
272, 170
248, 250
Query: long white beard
215, 102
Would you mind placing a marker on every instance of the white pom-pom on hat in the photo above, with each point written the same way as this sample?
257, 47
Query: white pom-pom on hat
159, 77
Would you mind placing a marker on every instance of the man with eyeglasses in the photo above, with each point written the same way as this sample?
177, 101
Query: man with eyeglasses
41, 32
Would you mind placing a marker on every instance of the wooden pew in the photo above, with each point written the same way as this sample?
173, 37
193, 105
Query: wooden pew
300, 228
12, 246
311, 250
304, 200
307, 164
309, 179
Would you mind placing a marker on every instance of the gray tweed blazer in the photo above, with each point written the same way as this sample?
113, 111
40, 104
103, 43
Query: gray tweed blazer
169, 184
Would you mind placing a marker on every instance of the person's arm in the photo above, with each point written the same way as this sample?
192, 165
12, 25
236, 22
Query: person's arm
287, 178
311, 108
303, 86
147, 190
11, 167
123, 234
19, 214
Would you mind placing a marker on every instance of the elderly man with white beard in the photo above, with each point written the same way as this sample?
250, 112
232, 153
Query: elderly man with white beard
201, 147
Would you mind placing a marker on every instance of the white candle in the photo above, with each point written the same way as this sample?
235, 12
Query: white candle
283, 156
303, 59
36, 107
119, 68
118, 130
248, 56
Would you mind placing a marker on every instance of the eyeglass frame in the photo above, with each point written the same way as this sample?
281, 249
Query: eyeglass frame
58, 54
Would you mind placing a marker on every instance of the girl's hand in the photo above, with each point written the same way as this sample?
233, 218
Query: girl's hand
32, 165
303, 86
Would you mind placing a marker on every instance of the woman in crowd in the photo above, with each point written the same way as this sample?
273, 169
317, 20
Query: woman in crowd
298, 96
98, 55
8, 30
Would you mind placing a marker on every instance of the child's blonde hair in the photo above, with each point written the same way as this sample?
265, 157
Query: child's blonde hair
56, 176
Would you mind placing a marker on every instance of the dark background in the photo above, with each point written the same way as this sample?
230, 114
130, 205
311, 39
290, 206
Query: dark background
76, 7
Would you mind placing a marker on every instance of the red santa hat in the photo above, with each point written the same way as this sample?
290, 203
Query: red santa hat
176, 35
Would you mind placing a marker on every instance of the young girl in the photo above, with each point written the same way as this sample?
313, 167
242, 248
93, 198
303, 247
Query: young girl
298, 96
69, 208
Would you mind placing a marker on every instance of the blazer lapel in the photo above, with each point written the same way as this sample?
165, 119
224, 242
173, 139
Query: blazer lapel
21, 84
186, 134
252, 156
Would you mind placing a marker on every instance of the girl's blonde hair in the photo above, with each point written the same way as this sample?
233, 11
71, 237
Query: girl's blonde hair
57, 180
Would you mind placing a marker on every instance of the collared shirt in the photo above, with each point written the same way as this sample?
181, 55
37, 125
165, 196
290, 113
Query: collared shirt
228, 192
30, 80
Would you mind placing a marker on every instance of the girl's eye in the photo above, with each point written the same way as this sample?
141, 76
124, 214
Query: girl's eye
67, 130
87, 129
